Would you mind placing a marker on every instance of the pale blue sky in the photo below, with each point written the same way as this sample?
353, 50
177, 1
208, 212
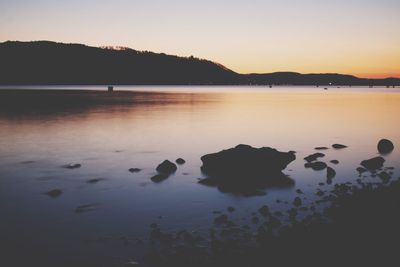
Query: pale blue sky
351, 36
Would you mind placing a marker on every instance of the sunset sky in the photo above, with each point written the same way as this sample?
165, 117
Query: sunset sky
360, 37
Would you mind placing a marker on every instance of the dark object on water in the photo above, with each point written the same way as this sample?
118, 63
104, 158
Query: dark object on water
167, 168
335, 161
158, 178
72, 166
338, 146
316, 166
321, 148
373, 164
330, 173
110, 88
245, 169
134, 170
180, 161
54, 193
385, 146
95, 180
314, 157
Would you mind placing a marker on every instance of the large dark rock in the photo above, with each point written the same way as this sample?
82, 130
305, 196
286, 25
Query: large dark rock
385, 146
373, 164
245, 168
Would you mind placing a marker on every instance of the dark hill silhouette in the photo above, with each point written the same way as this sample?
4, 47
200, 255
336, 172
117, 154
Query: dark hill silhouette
47, 63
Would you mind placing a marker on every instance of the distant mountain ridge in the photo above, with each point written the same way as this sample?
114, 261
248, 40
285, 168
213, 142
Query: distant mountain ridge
51, 63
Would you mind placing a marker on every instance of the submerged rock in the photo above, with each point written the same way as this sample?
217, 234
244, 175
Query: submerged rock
54, 193
86, 208
180, 161
338, 146
321, 148
95, 180
385, 146
314, 157
334, 161
72, 166
134, 170
316, 166
330, 173
246, 169
158, 178
373, 164
167, 167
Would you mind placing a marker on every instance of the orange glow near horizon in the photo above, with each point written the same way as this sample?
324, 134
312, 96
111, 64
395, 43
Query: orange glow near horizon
355, 37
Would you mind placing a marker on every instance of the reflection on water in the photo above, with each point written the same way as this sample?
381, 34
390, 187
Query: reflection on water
102, 209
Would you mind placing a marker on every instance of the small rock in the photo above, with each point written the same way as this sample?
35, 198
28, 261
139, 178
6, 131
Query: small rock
321, 148
314, 157
158, 178
180, 161
134, 170
316, 166
95, 180
330, 173
54, 193
72, 166
334, 161
85, 208
338, 146
385, 146
298, 191
166, 167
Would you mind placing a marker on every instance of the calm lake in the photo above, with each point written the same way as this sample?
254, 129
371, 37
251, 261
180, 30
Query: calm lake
106, 222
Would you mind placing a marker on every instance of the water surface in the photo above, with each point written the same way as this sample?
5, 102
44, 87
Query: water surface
142, 127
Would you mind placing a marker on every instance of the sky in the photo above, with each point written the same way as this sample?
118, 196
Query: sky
359, 37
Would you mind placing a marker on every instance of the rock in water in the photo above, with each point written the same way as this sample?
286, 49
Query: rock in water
385, 146
180, 161
314, 157
316, 166
321, 148
54, 193
247, 168
338, 146
72, 166
158, 178
134, 170
166, 168
373, 164
330, 173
